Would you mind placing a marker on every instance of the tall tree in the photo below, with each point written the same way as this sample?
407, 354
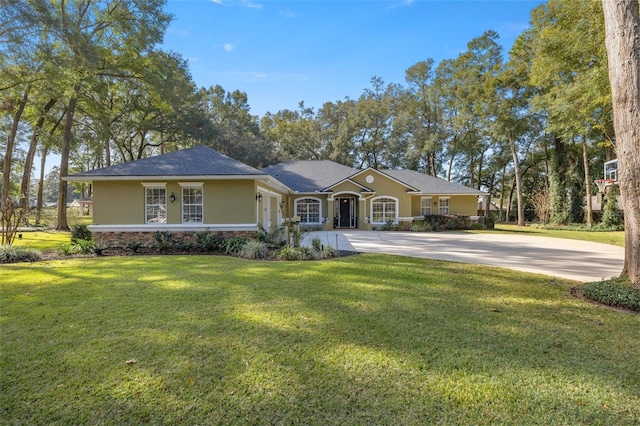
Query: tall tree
8, 219
232, 129
513, 118
622, 29
418, 119
83, 39
570, 72
373, 125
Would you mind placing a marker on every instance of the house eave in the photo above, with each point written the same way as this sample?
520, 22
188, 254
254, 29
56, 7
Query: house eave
72, 178
450, 194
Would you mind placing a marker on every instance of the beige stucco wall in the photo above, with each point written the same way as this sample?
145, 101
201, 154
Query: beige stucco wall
385, 187
224, 202
465, 205
229, 201
119, 203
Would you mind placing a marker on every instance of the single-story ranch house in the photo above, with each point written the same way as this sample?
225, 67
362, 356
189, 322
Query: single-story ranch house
200, 189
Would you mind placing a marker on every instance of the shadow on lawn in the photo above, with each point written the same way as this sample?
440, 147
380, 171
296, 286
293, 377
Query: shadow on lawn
372, 339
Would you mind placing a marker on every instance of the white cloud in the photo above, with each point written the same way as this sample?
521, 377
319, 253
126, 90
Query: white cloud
264, 77
228, 47
251, 5
179, 33
242, 3
288, 13
401, 3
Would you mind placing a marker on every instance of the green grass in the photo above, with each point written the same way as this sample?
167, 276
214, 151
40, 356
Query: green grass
43, 240
605, 237
364, 339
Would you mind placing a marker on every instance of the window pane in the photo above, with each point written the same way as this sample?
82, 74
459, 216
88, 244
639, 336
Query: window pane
383, 210
192, 205
425, 206
444, 206
309, 210
156, 205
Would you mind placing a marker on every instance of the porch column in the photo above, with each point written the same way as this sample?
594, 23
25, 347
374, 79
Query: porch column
331, 213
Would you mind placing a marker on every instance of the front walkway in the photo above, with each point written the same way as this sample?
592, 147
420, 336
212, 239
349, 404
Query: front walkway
572, 259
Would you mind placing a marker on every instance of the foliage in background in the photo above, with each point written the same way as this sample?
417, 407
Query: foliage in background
611, 214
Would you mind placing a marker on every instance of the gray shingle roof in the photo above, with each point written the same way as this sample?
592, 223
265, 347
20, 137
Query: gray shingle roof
315, 176
309, 176
430, 185
196, 161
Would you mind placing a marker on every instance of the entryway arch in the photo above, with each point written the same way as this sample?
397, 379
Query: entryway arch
345, 212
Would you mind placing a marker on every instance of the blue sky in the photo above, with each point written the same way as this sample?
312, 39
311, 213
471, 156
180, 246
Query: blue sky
284, 52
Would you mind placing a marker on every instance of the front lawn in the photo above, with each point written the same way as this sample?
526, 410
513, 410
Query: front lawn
43, 240
365, 339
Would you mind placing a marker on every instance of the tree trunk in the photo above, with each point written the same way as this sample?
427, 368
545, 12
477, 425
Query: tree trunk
588, 218
11, 140
40, 201
43, 162
504, 172
28, 165
557, 183
107, 153
486, 200
622, 38
6, 204
62, 224
510, 201
516, 166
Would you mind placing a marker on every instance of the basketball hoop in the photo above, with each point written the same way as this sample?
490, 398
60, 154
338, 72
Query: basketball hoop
603, 183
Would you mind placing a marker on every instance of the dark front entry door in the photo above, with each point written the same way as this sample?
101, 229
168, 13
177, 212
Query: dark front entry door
346, 213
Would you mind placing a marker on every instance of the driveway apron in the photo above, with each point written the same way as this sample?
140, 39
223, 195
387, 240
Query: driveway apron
571, 259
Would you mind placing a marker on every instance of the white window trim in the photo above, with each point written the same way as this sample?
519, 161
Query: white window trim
154, 185
189, 185
430, 205
396, 213
448, 205
295, 209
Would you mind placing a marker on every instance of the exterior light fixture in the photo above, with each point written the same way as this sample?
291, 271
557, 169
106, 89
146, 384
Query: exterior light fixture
172, 198
259, 197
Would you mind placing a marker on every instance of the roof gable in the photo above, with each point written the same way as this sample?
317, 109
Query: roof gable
346, 182
196, 161
385, 175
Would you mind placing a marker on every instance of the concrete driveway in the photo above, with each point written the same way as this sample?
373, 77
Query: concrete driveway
572, 259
